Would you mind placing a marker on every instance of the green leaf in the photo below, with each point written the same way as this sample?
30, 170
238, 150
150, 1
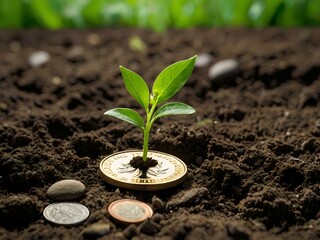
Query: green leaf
136, 86
127, 115
174, 108
172, 79
8, 9
46, 14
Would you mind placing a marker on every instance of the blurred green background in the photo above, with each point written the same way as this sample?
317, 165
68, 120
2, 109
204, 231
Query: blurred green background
158, 15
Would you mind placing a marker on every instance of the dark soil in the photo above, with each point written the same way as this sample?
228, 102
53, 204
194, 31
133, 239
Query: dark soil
143, 166
252, 148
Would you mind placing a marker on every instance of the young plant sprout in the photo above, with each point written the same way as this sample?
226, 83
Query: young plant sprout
166, 85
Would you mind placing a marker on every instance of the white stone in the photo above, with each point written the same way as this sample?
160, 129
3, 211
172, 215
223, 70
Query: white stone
66, 190
38, 58
225, 70
203, 60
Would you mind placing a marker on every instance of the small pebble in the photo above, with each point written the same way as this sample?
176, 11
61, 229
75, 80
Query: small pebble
188, 198
224, 72
286, 114
56, 80
96, 230
203, 60
130, 231
66, 190
157, 217
117, 191
157, 203
149, 227
38, 58
93, 39
76, 54
3, 106
15, 46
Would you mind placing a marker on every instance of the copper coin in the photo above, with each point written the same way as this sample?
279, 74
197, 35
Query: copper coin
116, 170
129, 211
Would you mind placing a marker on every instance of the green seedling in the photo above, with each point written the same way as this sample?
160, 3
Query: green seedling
166, 85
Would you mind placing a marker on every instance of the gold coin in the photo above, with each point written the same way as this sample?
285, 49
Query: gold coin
128, 211
116, 170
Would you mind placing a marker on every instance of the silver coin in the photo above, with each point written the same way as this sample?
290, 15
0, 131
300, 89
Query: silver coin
66, 213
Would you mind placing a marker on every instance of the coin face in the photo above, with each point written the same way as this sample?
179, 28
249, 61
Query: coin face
116, 170
129, 211
66, 213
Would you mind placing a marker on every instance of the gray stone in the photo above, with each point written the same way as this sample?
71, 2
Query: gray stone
188, 198
76, 54
157, 217
130, 231
149, 227
203, 60
66, 190
96, 230
224, 72
157, 203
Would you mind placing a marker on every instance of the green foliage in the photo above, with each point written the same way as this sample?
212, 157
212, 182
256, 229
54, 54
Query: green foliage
166, 85
172, 79
136, 86
158, 14
46, 14
7, 9
127, 115
173, 108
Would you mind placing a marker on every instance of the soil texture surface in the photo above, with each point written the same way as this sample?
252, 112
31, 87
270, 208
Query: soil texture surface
252, 148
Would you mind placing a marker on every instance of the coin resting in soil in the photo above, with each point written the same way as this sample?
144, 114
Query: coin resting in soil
65, 213
168, 172
130, 211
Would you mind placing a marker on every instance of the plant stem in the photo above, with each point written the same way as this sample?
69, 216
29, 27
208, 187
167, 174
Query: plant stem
146, 131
